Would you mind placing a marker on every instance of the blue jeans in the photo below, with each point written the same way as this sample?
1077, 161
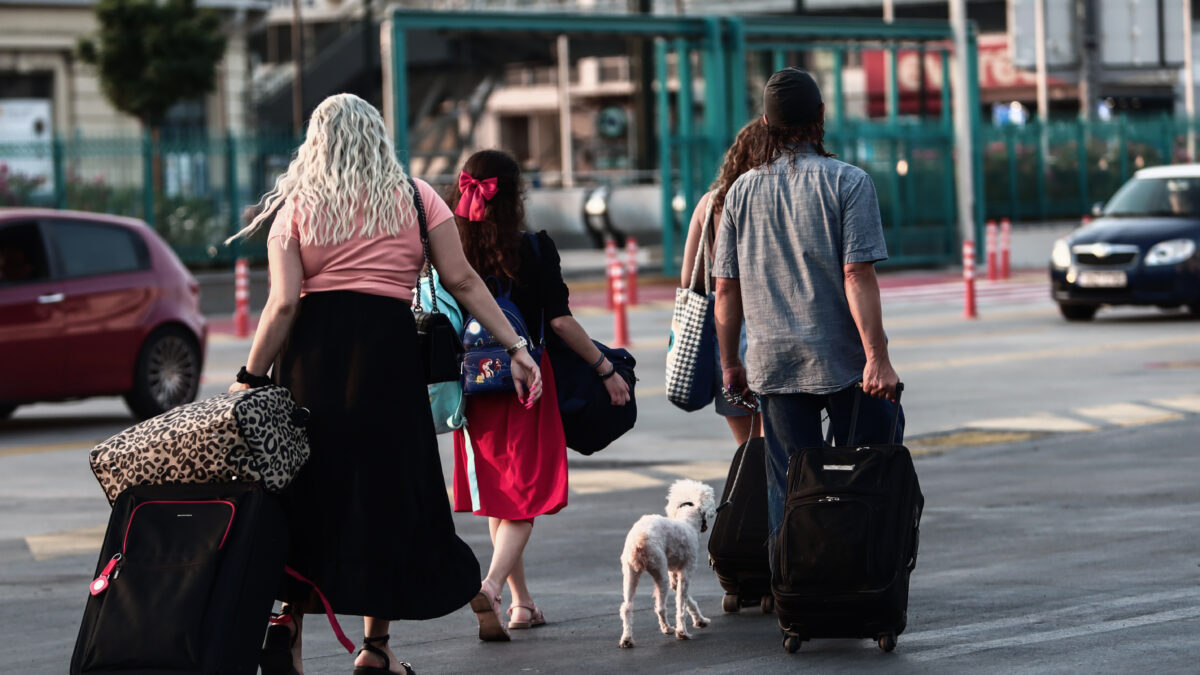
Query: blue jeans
793, 421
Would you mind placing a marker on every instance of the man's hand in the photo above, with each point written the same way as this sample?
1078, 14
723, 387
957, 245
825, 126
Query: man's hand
734, 378
880, 379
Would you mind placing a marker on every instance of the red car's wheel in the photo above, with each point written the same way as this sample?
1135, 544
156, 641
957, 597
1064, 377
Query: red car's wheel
167, 373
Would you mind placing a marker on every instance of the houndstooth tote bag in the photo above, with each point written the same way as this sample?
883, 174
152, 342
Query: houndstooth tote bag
691, 351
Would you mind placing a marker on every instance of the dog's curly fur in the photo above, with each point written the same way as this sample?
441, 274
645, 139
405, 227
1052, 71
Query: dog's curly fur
665, 547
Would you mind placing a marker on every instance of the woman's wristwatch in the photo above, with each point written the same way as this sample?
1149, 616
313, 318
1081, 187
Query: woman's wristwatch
517, 346
246, 377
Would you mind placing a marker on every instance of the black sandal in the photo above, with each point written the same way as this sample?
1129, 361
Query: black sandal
276, 657
369, 646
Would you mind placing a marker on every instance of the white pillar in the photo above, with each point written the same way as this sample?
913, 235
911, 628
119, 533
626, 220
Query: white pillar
963, 164
1189, 80
564, 112
1039, 37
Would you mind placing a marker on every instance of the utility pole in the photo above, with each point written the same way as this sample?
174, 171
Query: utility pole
1189, 80
641, 51
1039, 36
567, 152
1083, 47
297, 71
963, 142
889, 62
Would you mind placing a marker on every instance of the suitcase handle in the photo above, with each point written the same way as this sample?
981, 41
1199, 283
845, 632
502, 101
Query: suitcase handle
756, 415
895, 418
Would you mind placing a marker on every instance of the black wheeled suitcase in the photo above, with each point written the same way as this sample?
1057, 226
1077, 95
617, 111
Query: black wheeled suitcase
737, 547
848, 542
186, 580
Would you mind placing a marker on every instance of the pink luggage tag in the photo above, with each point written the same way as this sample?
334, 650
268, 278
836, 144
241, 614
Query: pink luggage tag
101, 583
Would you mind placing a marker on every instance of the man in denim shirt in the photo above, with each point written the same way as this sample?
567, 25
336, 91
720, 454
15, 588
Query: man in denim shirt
795, 257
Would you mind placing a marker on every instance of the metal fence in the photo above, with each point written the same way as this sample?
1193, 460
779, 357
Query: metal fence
205, 184
1031, 173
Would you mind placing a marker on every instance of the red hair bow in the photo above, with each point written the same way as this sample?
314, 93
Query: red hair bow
475, 195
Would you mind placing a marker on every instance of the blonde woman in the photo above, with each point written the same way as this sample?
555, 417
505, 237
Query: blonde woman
369, 519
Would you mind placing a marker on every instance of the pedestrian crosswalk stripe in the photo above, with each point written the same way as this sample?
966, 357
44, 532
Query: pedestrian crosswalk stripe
1040, 422
1127, 414
701, 471
71, 542
609, 480
1188, 403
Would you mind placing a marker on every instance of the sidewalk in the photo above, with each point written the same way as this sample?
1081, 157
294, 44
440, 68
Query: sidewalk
584, 271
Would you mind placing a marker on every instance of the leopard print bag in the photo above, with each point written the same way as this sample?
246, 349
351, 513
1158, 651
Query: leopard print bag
253, 435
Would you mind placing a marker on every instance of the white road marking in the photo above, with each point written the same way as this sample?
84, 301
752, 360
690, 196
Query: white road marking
60, 544
1188, 403
1039, 422
700, 471
1127, 414
593, 481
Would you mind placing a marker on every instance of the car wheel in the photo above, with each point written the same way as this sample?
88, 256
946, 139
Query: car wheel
1078, 312
6, 411
167, 373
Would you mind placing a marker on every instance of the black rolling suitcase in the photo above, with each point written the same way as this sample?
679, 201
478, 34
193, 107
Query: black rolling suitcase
185, 582
848, 542
737, 547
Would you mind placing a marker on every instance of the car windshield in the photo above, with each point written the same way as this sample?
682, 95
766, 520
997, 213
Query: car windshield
1156, 197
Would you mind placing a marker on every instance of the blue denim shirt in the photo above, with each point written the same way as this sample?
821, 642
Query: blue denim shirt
786, 232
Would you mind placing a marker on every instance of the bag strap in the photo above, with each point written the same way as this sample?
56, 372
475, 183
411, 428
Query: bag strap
858, 394
333, 622
703, 255
427, 268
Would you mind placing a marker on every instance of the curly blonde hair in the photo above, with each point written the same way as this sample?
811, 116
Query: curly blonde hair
346, 166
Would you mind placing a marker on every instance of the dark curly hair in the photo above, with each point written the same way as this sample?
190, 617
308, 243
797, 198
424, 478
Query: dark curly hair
781, 139
492, 245
746, 153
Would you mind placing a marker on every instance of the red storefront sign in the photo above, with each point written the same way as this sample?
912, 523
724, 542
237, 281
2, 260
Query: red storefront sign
998, 77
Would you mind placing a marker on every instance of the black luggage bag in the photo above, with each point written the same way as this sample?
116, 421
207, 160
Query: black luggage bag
848, 542
185, 583
737, 547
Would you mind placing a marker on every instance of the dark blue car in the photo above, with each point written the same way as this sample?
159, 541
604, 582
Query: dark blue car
1141, 250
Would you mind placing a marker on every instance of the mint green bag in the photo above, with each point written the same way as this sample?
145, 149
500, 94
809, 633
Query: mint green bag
445, 398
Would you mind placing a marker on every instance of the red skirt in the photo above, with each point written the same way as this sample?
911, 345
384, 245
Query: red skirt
515, 466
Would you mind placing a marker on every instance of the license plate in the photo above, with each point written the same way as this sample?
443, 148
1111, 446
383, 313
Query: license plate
1094, 279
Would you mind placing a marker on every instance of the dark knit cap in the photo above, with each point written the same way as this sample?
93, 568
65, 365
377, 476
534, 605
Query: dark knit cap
791, 99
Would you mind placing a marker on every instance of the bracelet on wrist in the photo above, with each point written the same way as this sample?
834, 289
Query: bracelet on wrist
611, 371
246, 377
599, 361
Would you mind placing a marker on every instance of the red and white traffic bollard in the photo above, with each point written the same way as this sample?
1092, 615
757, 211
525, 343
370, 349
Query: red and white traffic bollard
969, 311
990, 233
631, 269
1005, 248
241, 298
1085, 219
611, 267
620, 321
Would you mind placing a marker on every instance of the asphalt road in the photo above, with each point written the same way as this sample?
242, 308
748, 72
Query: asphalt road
1059, 464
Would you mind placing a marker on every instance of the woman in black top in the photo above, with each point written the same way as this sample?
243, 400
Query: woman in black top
511, 463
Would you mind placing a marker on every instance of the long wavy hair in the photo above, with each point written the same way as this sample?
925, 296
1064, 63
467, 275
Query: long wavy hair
747, 152
345, 167
492, 245
786, 140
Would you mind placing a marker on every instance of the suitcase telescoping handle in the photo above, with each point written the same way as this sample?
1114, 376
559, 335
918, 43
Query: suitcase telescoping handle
737, 477
854, 413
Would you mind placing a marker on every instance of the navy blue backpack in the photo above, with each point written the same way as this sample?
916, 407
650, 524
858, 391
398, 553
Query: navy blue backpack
487, 367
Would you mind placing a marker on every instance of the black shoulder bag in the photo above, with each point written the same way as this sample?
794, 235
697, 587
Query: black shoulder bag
439, 344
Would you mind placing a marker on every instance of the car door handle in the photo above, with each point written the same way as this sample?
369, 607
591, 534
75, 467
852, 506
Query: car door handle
50, 299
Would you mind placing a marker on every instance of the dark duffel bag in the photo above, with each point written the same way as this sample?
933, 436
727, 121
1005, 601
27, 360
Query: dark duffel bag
848, 542
590, 421
185, 582
737, 547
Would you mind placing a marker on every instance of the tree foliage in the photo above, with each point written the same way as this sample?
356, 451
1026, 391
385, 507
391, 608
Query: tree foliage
152, 54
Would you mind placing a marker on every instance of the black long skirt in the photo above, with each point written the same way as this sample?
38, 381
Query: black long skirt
369, 517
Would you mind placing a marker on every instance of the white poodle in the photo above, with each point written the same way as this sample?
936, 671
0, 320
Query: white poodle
671, 545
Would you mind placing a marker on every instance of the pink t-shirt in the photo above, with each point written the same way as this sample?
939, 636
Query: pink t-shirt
383, 265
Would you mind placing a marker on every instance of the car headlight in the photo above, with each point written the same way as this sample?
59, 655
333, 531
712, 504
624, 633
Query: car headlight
1170, 252
1060, 257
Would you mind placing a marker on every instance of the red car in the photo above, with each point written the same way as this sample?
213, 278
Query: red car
95, 305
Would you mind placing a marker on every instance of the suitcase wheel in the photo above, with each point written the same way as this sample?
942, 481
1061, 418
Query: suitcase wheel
792, 643
887, 642
730, 603
768, 603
